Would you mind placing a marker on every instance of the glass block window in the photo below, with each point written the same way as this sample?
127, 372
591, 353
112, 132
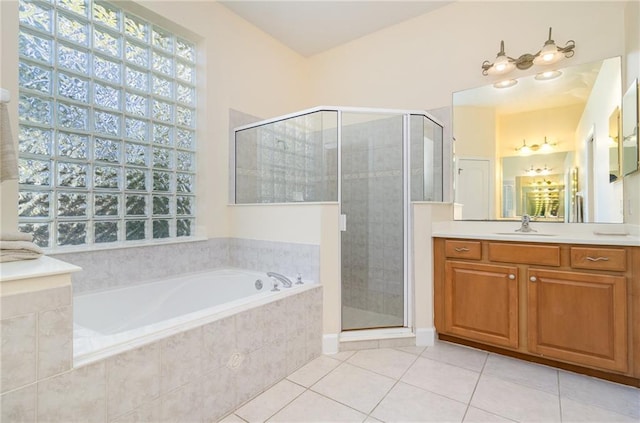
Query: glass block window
107, 110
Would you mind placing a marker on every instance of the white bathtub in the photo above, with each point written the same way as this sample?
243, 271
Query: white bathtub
112, 321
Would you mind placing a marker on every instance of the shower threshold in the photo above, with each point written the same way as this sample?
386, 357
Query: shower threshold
399, 334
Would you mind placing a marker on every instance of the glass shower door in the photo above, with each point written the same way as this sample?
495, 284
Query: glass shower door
372, 199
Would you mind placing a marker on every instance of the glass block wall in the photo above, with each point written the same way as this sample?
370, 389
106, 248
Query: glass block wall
290, 160
107, 125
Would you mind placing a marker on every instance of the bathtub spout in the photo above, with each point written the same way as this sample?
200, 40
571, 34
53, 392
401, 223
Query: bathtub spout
286, 282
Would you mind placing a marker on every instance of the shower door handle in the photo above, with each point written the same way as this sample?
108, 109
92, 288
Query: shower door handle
343, 223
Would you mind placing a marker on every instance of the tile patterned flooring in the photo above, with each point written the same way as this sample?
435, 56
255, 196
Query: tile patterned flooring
443, 383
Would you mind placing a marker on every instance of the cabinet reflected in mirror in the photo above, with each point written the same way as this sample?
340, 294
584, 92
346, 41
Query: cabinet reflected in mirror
541, 147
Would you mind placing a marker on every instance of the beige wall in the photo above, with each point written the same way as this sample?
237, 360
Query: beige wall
477, 137
603, 202
419, 63
559, 125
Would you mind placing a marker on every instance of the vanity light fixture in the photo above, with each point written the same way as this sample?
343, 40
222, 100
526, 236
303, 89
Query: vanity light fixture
550, 53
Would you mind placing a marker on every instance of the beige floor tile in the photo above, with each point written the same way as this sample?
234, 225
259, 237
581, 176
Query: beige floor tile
412, 350
475, 415
407, 403
600, 393
270, 402
232, 418
442, 378
311, 407
313, 371
515, 401
355, 387
522, 372
458, 355
573, 411
342, 355
385, 361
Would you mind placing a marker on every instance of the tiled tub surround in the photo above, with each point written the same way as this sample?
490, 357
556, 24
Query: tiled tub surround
196, 375
118, 267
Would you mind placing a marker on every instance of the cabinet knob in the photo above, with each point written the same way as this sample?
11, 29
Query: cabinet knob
533, 279
512, 276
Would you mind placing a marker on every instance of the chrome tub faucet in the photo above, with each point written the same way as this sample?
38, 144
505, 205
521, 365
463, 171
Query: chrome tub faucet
286, 282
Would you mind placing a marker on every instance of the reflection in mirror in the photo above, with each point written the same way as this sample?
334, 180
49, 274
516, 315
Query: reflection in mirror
614, 145
540, 147
630, 129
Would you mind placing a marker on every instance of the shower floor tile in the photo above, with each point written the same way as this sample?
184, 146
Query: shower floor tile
446, 383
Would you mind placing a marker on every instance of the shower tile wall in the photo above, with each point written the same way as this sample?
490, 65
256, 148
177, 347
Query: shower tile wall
286, 258
372, 277
127, 266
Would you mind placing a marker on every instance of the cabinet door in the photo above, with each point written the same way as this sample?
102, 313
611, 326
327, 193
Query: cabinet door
481, 302
578, 317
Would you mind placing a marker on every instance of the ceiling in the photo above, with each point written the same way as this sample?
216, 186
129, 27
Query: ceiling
312, 26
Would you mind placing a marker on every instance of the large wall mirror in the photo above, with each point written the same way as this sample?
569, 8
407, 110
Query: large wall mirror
547, 146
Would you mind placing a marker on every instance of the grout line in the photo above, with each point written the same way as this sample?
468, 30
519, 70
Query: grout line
486, 358
559, 398
398, 380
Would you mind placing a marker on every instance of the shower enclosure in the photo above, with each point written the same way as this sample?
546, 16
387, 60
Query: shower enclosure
373, 163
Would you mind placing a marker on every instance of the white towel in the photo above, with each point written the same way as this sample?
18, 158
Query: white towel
18, 250
15, 236
8, 157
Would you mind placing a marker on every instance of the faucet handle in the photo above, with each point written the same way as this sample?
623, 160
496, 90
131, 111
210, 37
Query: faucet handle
275, 284
299, 279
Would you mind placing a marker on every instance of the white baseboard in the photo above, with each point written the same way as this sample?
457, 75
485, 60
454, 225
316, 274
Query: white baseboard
330, 343
425, 337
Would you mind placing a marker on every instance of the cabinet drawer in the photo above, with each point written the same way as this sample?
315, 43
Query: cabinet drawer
544, 255
463, 249
599, 258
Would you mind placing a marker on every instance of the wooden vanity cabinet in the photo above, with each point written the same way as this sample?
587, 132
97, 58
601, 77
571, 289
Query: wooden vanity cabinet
481, 302
578, 317
565, 303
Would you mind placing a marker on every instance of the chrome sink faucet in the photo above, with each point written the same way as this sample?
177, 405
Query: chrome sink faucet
286, 282
524, 227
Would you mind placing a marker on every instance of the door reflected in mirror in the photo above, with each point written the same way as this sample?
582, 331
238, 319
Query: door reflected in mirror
540, 147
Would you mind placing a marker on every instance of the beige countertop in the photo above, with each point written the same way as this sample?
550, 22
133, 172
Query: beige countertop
565, 233
40, 267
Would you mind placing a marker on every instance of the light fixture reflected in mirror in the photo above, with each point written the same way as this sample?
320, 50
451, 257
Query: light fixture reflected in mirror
524, 149
505, 84
532, 171
547, 75
550, 53
545, 147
